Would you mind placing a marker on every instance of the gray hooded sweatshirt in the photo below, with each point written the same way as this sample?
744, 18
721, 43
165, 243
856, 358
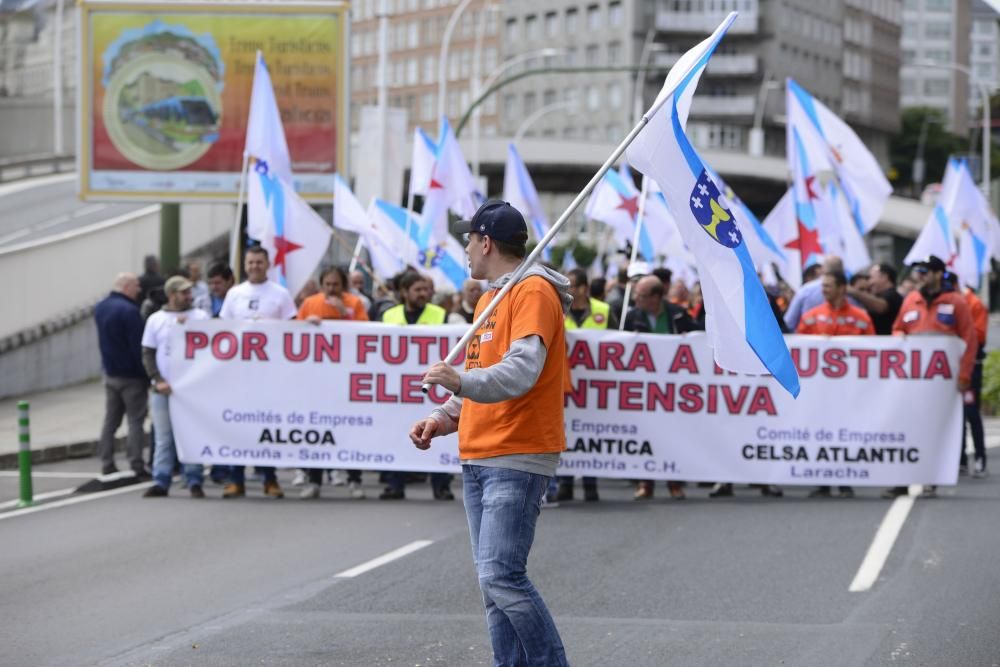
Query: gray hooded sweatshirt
511, 378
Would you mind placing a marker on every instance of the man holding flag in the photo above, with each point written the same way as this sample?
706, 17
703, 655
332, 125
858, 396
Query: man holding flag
508, 410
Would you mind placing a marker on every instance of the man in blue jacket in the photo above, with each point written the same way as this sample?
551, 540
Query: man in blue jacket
119, 333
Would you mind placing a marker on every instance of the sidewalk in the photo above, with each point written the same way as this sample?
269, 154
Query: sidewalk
66, 423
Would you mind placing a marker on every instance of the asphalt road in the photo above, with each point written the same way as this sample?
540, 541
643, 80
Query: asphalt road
47, 206
123, 580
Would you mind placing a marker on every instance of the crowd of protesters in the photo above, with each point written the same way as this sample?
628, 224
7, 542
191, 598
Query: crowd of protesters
134, 324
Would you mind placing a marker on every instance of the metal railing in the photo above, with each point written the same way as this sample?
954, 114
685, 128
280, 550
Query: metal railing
26, 166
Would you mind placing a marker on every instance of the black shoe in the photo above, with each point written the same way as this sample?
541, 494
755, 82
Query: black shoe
771, 490
846, 492
109, 470
821, 492
565, 492
443, 494
895, 492
142, 475
590, 494
155, 491
721, 491
196, 491
392, 494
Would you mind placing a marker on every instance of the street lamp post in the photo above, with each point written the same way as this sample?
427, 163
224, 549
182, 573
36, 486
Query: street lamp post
919, 166
984, 92
648, 47
547, 109
490, 80
755, 145
443, 57
477, 60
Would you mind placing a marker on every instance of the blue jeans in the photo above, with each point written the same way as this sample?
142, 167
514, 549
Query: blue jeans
502, 506
165, 452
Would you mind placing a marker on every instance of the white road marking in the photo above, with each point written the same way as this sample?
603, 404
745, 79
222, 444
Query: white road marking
24, 231
395, 554
75, 501
39, 496
52, 475
881, 546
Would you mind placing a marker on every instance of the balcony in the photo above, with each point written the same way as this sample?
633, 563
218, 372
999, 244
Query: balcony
720, 64
734, 105
705, 23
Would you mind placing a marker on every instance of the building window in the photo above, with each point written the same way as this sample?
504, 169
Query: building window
549, 97
592, 55
427, 106
614, 53
530, 102
615, 14
489, 60
572, 97
937, 87
593, 98
551, 24
510, 110
511, 30
615, 95
937, 30
430, 69
594, 17
531, 26
572, 17
572, 56
411, 73
413, 34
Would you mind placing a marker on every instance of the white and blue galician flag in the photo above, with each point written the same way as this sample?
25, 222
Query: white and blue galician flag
741, 326
976, 225
295, 236
519, 191
451, 185
265, 141
615, 202
422, 162
859, 175
832, 218
938, 235
350, 216
441, 258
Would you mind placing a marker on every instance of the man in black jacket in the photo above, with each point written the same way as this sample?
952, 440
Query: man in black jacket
119, 333
653, 314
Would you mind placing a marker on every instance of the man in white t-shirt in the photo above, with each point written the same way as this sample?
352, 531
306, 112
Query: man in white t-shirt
256, 299
156, 360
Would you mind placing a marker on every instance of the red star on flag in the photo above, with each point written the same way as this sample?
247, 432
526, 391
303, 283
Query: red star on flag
435, 184
630, 204
282, 247
807, 243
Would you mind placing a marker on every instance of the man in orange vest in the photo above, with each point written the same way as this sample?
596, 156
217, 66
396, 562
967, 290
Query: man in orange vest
930, 309
835, 317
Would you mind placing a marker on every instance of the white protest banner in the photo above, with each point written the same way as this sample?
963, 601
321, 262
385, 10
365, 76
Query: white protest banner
343, 395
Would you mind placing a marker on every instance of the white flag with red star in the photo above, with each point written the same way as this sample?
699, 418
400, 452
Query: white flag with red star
295, 236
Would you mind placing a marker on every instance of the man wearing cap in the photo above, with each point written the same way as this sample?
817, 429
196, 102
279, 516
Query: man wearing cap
508, 410
929, 309
156, 359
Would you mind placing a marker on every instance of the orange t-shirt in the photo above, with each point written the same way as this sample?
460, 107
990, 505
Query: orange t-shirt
532, 423
847, 320
317, 305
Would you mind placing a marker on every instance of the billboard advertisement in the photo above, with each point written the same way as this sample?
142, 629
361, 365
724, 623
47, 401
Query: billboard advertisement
165, 94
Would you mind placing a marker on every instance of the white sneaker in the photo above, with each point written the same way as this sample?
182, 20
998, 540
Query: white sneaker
309, 491
300, 478
979, 470
339, 478
356, 491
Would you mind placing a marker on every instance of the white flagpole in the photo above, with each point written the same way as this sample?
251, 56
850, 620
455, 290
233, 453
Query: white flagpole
635, 248
409, 213
551, 234
234, 240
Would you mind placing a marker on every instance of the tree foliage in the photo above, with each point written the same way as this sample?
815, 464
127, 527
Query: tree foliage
939, 144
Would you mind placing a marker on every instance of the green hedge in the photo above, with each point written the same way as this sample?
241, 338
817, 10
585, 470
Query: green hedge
991, 383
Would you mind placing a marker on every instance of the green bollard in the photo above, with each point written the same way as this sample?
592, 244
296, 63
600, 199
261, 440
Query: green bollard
24, 454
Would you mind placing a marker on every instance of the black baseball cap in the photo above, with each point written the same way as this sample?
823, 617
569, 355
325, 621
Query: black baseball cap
498, 220
933, 263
